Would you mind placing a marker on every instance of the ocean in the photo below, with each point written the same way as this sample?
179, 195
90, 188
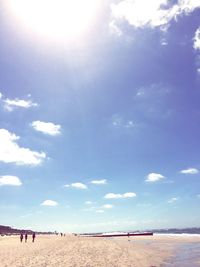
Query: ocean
186, 255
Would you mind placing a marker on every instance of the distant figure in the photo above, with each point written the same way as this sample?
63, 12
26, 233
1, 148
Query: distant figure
26, 237
128, 236
33, 237
21, 237
61, 234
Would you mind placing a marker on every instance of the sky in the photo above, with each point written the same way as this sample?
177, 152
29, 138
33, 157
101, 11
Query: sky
99, 114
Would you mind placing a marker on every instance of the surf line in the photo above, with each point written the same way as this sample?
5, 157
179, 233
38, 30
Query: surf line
121, 235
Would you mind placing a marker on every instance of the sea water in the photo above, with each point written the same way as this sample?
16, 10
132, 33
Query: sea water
186, 255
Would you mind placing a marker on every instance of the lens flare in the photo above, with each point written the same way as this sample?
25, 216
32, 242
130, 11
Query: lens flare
55, 18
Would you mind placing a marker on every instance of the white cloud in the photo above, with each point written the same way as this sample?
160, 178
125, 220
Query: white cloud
144, 204
119, 122
90, 209
114, 28
10, 180
99, 211
173, 199
10, 104
154, 13
196, 44
152, 92
129, 194
164, 42
76, 185
151, 101
49, 203
11, 152
190, 171
154, 177
1, 95
115, 196
79, 185
103, 181
88, 202
46, 127
130, 124
107, 206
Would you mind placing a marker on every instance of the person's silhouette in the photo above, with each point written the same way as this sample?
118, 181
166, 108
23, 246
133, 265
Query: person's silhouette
21, 237
26, 237
33, 237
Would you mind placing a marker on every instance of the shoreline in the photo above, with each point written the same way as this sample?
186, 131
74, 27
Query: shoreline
56, 251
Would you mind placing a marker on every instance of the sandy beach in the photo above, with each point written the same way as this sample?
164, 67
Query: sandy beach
87, 251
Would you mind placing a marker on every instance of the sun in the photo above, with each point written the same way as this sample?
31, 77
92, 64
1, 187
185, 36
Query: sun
55, 19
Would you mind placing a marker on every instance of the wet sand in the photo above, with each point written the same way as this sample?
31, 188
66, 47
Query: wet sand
91, 252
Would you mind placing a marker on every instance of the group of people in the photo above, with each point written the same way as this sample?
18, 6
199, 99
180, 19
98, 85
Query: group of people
25, 237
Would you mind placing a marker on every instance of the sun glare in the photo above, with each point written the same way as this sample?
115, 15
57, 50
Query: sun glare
56, 18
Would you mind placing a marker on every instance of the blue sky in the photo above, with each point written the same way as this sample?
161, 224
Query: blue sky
99, 114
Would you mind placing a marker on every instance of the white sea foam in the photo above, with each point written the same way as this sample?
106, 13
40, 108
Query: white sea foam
177, 235
114, 233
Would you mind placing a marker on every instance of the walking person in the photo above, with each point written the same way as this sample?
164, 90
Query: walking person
33, 237
21, 237
26, 237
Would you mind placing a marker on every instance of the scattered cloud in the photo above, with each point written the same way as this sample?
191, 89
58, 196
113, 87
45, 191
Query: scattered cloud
76, 185
196, 44
154, 177
88, 202
90, 209
10, 180
129, 124
26, 215
46, 127
164, 42
190, 171
173, 199
168, 181
79, 185
48, 202
118, 122
107, 206
11, 152
114, 28
144, 204
152, 101
99, 211
155, 13
1, 95
115, 196
11, 104
99, 182
153, 91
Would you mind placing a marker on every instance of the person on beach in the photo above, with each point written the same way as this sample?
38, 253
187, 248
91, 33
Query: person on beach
128, 236
33, 237
21, 237
26, 237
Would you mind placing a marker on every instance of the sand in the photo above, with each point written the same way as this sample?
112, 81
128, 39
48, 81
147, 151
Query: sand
71, 251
